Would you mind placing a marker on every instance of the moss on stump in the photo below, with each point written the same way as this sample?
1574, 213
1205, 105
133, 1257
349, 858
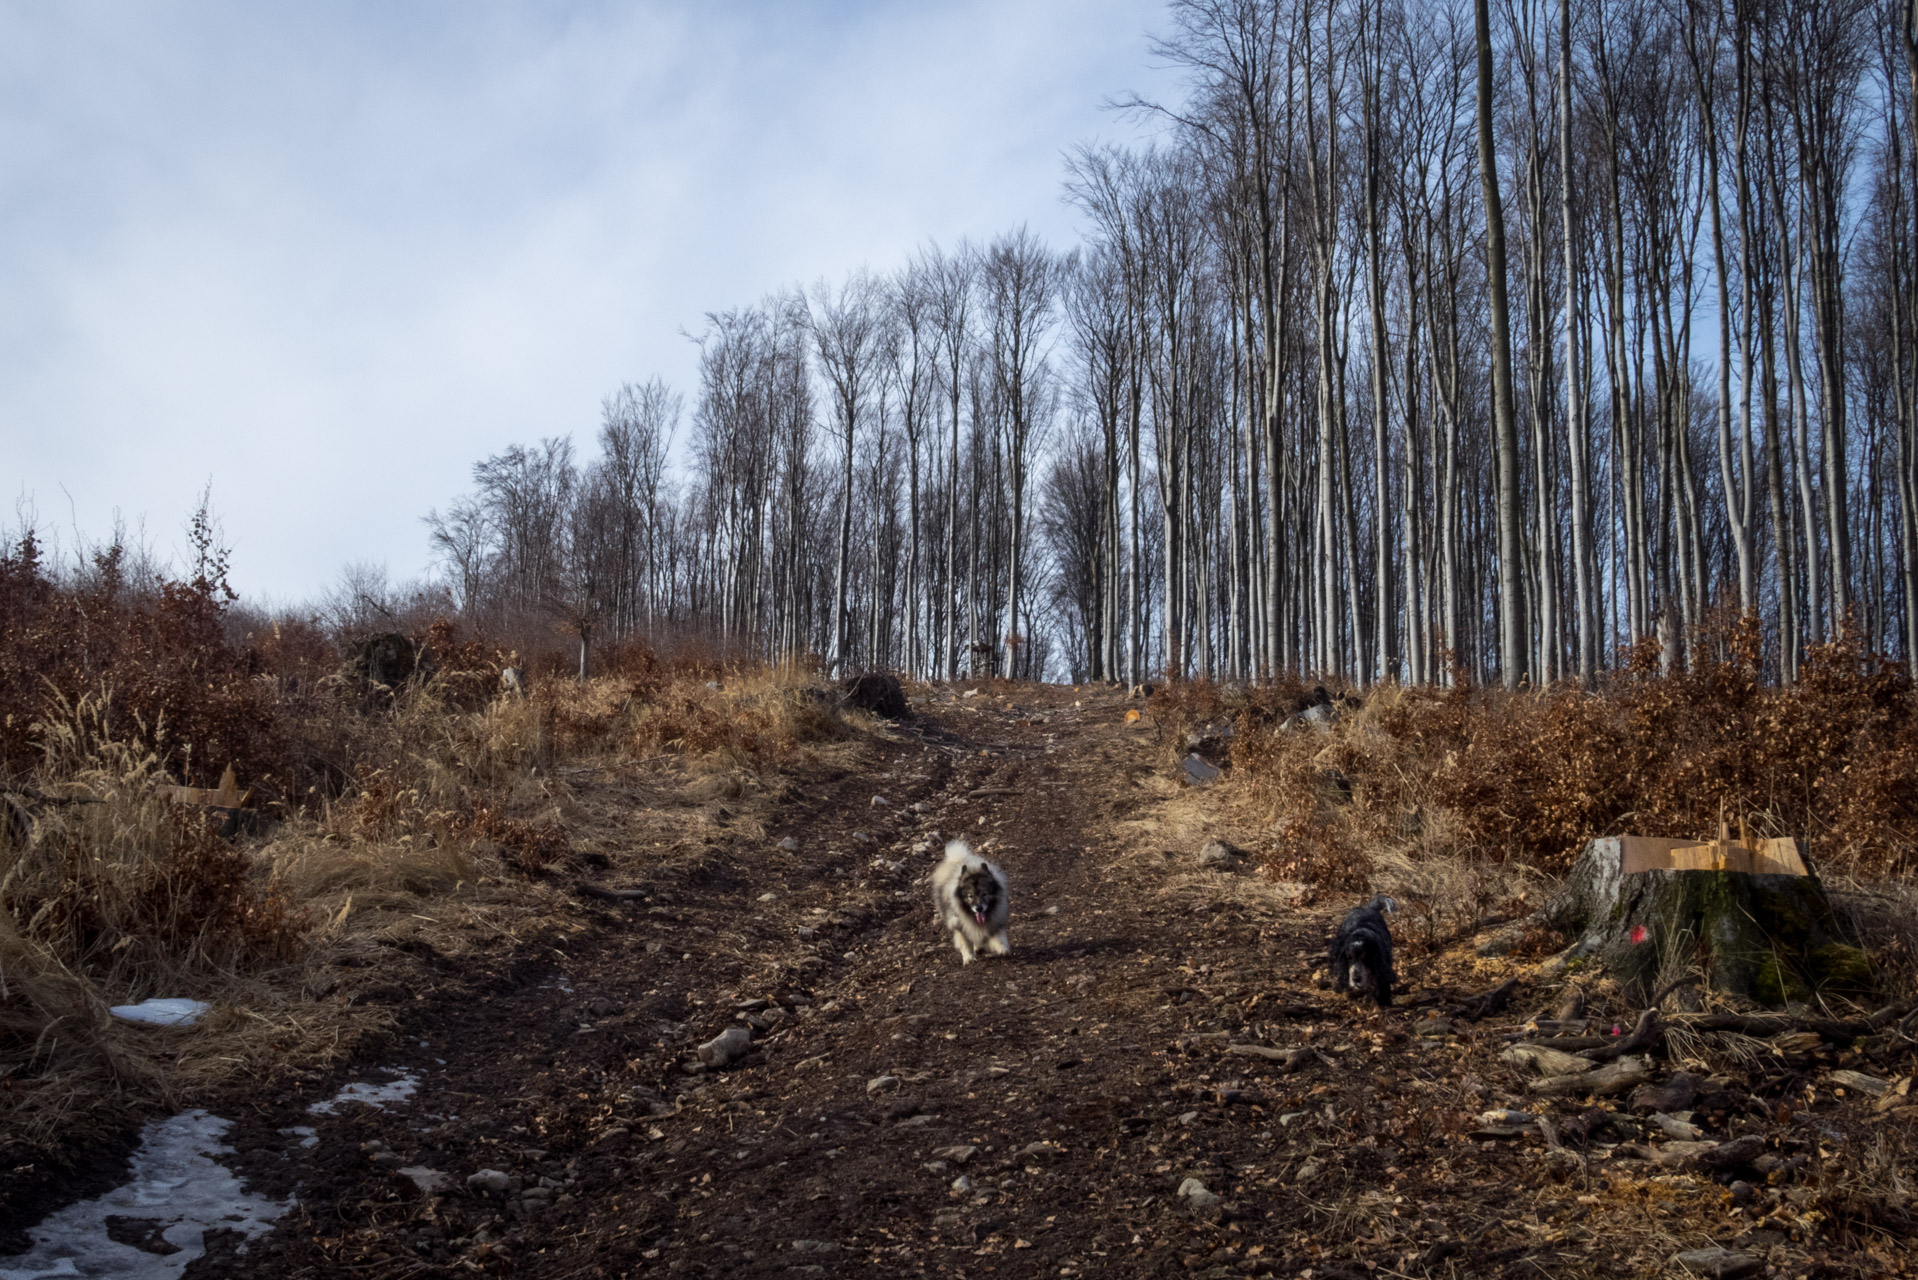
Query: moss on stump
1772, 939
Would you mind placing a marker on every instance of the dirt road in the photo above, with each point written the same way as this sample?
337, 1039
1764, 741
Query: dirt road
1086, 1107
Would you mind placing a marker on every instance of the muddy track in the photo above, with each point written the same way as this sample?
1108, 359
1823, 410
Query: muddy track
900, 1114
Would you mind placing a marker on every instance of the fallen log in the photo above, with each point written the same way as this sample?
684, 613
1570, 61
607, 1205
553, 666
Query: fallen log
1614, 1077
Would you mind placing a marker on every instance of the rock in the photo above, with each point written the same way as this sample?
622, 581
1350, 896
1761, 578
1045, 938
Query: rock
878, 692
807, 933
789, 845
431, 1182
1196, 1195
1308, 1171
728, 1046
769, 896
489, 1181
882, 1084
961, 1185
1218, 855
1742, 1192
601, 1007
958, 1155
1719, 1264
1200, 773
1038, 1151
878, 802
1543, 1061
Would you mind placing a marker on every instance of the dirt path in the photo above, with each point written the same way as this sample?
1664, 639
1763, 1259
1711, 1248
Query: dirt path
900, 1115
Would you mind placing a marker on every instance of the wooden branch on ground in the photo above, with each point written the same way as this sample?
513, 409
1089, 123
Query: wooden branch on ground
1771, 1024
1642, 1036
608, 895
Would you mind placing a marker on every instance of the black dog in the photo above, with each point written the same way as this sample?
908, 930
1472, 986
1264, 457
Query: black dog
1362, 951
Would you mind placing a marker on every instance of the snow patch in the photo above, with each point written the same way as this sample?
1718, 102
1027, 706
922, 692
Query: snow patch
178, 1192
159, 1012
373, 1095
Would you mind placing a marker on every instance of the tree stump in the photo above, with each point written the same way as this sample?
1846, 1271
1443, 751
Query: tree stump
1767, 937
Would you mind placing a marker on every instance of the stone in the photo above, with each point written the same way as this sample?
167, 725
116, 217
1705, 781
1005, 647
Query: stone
961, 1185
1219, 856
878, 802
958, 1155
882, 1084
1719, 1264
1196, 1194
1200, 772
728, 1046
489, 1181
431, 1182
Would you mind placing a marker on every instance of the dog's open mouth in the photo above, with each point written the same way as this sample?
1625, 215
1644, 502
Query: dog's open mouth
979, 915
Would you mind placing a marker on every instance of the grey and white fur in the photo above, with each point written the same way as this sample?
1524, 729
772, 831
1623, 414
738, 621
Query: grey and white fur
969, 898
1362, 951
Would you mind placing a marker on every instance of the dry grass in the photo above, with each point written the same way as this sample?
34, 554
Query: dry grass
434, 814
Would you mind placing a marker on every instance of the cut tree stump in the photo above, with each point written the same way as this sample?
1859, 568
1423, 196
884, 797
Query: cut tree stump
1771, 937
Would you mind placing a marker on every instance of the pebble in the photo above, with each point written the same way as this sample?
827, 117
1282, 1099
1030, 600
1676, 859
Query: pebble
789, 844
880, 802
961, 1185
958, 1155
807, 933
1719, 1264
431, 1182
769, 897
731, 1044
882, 1084
489, 1180
1219, 856
1196, 1194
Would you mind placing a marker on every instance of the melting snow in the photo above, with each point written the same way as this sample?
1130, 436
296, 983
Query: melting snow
163, 1012
177, 1190
373, 1095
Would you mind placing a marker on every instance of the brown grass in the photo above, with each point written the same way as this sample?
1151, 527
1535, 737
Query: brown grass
438, 809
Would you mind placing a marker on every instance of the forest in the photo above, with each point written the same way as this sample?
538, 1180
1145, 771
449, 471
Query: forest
1421, 342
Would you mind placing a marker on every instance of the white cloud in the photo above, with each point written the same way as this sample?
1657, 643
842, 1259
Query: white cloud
330, 256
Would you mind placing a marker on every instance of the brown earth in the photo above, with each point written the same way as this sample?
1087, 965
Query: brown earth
902, 1115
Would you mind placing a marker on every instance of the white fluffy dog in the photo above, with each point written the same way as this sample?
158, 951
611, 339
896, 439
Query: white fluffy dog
969, 898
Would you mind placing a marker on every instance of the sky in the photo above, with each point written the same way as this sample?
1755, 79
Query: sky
325, 257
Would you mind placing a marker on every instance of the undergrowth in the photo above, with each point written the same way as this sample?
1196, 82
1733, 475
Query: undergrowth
370, 804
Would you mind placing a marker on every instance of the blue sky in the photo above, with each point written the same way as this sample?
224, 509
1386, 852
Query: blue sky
327, 256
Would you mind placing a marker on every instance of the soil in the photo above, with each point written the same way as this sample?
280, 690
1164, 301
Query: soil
900, 1114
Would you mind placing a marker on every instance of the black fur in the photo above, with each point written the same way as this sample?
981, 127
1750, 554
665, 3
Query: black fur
1362, 952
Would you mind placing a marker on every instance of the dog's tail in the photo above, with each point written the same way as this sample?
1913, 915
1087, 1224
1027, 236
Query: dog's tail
957, 850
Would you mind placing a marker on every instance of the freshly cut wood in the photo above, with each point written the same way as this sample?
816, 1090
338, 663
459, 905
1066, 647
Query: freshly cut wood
1770, 937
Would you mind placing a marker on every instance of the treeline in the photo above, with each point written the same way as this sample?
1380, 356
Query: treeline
1426, 339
